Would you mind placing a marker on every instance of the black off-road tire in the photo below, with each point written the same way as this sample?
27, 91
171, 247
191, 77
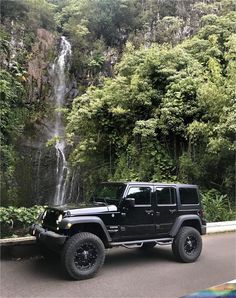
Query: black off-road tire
147, 246
187, 245
83, 255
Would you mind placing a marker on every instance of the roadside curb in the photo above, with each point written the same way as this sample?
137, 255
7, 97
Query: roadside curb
17, 241
22, 247
220, 227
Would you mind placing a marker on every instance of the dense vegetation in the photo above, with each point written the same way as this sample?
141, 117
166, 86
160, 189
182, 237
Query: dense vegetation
19, 108
15, 221
167, 114
156, 88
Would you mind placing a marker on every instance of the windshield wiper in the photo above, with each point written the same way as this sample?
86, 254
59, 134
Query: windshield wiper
99, 203
102, 198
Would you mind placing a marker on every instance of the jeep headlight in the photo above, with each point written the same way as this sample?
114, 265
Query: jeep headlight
41, 217
59, 218
44, 214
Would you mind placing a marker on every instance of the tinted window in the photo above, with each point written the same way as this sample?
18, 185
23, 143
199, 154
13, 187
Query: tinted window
188, 196
165, 195
142, 195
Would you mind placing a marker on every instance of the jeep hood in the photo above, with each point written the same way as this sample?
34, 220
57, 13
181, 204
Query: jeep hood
74, 210
91, 210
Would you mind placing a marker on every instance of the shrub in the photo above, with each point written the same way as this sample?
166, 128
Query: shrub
217, 206
16, 221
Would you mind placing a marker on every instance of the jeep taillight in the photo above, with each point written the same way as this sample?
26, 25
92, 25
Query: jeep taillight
201, 213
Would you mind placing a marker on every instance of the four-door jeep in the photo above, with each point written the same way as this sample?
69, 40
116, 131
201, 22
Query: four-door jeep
132, 214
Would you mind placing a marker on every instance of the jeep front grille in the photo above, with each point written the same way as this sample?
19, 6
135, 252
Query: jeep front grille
50, 219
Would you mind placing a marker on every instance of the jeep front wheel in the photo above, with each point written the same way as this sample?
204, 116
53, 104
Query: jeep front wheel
187, 245
83, 255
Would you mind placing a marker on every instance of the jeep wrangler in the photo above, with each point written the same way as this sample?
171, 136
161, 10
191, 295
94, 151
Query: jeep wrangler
132, 214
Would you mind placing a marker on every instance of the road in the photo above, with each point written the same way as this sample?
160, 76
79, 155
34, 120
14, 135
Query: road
126, 273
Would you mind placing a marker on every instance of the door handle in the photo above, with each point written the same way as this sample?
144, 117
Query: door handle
150, 212
172, 211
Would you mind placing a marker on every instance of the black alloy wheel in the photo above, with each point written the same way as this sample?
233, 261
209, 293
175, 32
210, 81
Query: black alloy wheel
190, 245
187, 245
83, 255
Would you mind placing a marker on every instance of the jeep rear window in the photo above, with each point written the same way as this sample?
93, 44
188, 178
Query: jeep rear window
188, 196
165, 195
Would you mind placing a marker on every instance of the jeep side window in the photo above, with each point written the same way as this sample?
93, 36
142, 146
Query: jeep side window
188, 196
165, 195
142, 195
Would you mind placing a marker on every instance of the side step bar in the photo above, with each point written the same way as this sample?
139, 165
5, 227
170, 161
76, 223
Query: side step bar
139, 243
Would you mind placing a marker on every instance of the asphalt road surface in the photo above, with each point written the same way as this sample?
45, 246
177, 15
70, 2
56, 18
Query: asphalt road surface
126, 273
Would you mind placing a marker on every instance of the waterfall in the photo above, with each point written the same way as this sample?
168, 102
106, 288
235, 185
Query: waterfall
59, 69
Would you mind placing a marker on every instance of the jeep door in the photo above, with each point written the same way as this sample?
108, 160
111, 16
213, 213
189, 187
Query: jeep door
165, 208
138, 222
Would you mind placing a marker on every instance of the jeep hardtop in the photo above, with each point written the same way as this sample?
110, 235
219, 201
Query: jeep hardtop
131, 214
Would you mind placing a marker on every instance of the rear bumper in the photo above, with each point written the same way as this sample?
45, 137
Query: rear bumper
204, 230
49, 238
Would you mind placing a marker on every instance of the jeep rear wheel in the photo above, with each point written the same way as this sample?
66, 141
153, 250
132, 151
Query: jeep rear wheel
83, 255
187, 245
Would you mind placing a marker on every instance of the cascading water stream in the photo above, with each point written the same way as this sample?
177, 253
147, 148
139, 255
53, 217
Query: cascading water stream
59, 69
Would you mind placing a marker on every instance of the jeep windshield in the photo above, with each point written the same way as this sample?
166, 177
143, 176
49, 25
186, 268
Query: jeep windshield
109, 193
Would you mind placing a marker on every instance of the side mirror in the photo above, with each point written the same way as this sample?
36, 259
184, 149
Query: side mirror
130, 202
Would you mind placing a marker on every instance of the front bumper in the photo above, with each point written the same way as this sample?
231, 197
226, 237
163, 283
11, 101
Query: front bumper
49, 238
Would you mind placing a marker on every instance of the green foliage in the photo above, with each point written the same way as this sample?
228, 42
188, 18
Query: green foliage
217, 207
109, 19
12, 114
104, 27
16, 221
20, 21
33, 13
11, 100
168, 114
169, 26
164, 112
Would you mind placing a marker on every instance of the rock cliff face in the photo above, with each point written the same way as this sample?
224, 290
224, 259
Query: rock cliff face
35, 169
35, 172
41, 171
42, 54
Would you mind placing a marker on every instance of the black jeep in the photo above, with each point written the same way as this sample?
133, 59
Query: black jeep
132, 214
